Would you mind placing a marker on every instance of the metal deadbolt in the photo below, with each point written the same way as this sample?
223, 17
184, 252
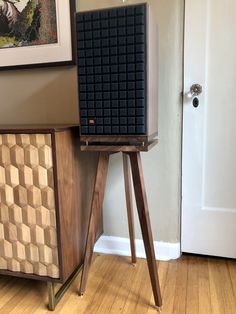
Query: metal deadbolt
195, 102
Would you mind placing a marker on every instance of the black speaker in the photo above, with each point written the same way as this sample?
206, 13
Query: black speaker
117, 71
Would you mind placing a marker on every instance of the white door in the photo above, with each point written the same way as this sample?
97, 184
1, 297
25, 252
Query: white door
209, 139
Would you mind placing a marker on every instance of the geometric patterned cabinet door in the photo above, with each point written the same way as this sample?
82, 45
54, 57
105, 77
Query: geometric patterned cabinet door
28, 235
45, 197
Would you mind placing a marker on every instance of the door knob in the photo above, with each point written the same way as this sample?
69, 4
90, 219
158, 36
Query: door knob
195, 90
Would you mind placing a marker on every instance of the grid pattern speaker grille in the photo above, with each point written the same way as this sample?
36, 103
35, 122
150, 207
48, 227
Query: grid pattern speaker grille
111, 49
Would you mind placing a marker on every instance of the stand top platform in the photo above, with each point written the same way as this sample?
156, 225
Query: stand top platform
114, 148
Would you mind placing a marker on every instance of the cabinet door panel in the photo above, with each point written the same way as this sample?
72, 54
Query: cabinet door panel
28, 235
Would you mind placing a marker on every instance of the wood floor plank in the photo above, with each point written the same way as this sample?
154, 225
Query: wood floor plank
9, 290
110, 289
192, 301
204, 286
221, 290
105, 281
162, 271
19, 293
113, 291
37, 294
98, 270
168, 292
124, 288
181, 286
136, 291
189, 285
232, 273
146, 298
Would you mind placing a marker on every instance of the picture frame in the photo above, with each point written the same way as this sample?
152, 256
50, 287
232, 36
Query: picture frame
39, 52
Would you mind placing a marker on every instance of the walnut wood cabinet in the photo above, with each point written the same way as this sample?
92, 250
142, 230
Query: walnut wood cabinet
46, 188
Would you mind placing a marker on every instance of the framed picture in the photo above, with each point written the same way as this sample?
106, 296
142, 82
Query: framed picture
36, 33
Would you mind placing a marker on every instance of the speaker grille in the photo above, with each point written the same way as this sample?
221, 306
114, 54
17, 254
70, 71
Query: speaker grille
111, 49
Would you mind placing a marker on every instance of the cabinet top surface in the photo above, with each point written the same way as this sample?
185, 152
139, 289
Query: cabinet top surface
36, 128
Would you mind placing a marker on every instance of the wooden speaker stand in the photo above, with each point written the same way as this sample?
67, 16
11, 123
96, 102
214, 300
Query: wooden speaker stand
132, 153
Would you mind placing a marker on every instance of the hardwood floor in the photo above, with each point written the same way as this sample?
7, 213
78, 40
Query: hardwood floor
189, 285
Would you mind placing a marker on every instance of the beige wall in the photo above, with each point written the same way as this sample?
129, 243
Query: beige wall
50, 96
38, 96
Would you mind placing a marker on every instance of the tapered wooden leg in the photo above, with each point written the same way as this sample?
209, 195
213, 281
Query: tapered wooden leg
129, 205
142, 206
96, 207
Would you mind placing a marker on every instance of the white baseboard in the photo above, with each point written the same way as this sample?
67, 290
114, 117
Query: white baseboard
164, 251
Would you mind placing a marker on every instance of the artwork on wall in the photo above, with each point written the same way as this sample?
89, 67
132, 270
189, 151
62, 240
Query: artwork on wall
36, 33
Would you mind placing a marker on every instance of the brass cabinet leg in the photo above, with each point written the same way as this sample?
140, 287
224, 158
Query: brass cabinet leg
129, 204
51, 296
53, 299
96, 207
142, 206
